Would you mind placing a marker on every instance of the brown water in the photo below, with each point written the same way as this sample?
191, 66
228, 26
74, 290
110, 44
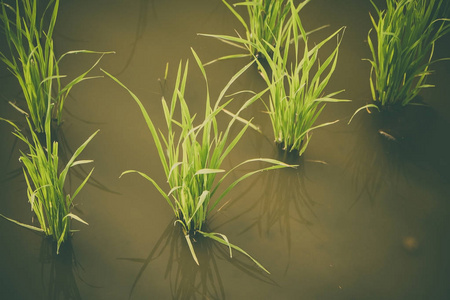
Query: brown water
363, 217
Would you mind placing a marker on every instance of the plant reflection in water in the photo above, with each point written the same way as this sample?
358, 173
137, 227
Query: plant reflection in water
188, 280
388, 146
60, 273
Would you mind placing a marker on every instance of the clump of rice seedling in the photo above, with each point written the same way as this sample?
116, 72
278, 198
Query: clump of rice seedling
32, 59
405, 35
296, 93
192, 155
45, 184
266, 19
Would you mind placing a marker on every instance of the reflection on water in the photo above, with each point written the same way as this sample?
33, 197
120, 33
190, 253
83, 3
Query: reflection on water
283, 202
387, 146
59, 272
142, 12
372, 162
188, 280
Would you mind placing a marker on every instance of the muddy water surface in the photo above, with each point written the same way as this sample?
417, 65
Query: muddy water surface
365, 216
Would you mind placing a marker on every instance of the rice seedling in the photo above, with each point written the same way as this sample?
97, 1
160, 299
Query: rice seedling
45, 186
192, 160
32, 59
405, 34
266, 19
296, 93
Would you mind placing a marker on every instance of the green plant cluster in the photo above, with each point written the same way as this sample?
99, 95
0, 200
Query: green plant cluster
192, 155
45, 184
269, 23
33, 62
296, 91
405, 34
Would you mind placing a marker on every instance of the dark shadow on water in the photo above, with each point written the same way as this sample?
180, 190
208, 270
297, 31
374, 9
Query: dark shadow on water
61, 272
188, 280
140, 30
387, 145
67, 111
283, 200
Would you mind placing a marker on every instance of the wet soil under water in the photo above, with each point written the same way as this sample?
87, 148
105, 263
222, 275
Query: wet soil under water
365, 216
